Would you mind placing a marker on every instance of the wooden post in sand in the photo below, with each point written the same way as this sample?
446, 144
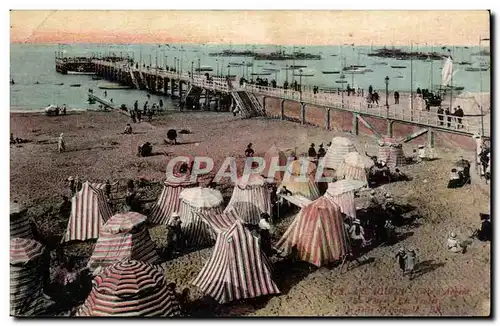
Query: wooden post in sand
389, 128
302, 113
430, 138
282, 109
355, 126
327, 119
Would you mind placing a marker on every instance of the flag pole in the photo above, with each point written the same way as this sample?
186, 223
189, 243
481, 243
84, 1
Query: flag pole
451, 83
411, 81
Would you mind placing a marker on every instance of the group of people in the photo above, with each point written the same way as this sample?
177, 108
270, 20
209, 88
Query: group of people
455, 115
148, 111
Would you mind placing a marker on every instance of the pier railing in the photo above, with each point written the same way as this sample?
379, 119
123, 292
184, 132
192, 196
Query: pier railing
471, 125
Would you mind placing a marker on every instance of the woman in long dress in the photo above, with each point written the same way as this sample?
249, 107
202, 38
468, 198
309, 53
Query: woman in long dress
61, 147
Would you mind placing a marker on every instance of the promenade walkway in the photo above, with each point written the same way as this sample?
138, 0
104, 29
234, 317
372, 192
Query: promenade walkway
404, 111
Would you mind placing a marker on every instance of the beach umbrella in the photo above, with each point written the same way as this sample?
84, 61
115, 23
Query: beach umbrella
124, 236
339, 147
169, 200
124, 222
250, 198
130, 288
26, 277
342, 194
195, 231
391, 152
356, 167
201, 197
20, 226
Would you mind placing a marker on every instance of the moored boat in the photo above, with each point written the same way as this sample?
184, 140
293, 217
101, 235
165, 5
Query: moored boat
398, 67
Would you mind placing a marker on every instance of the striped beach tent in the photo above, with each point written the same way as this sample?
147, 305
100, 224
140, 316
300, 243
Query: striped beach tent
26, 277
342, 194
169, 201
195, 201
299, 179
89, 211
317, 233
338, 149
250, 198
391, 152
124, 236
220, 222
237, 269
274, 156
130, 288
355, 167
20, 226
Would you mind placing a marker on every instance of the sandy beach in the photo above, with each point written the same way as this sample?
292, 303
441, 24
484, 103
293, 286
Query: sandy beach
449, 285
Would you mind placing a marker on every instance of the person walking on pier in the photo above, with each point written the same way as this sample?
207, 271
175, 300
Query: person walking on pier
459, 113
396, 97
375, 97
448, 116
440, 113
105, 94
370, 90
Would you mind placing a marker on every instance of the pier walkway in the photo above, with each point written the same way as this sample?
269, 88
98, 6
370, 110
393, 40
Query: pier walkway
246, 100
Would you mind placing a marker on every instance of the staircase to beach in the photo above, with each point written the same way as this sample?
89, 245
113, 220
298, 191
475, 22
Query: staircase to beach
134, 80
250, 107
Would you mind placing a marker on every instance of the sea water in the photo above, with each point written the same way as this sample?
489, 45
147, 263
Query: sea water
37, 82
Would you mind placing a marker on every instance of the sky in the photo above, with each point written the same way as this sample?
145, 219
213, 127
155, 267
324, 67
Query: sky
305, 27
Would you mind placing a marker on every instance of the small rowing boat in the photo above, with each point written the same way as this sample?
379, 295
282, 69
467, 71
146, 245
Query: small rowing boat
330, 72
398, 67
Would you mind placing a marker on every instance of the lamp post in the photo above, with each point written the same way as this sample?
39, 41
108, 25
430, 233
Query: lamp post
175, 63
199, 66
300, 84
228, 70
387, 94
192, 69
342, 77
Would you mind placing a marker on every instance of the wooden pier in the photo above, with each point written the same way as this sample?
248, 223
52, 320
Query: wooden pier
252, 101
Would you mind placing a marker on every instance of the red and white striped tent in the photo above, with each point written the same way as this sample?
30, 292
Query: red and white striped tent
276, 157
220, 222
299, 179
237, 269
391, 152
340, 147
124, 236
194, 201
355, 167
89, 211
169, 201
317, 233
130, 288
26, 277
250, 198
20, 226
342, 194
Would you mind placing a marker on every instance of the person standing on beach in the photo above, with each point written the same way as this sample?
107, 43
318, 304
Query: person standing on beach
249, 151
139, 115
411, 260
145, 108
136, 105
64, 109
161, 105
312, 151
61, 147
401, 256
370, 90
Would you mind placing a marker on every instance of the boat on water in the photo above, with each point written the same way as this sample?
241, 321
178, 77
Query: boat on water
261, 74
473, 69
59, 84
358, 66
297, 66
341, 81
303, 74
380, 63
75, 85
271, 69
464, 63
333, 55
449, 87
113, 86
204, 69
240, 64
330, 72
398, 67
399, 77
